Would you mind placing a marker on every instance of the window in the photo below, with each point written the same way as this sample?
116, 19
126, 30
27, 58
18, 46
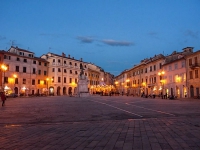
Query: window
45, 73
34, 62
65, 70
24, 69
7, 57
52, 79
59, 70
196, 74
160, 65
64, 79
150, 68
33, 70
59, 79
45, 64
190, 62
5, 79
18, 59
53, 60
175, 66
70, 80
33, 81
20, 53
85, 66
58, 60
191, 75
85, 74
29, 55
53, 69
17, 68
70, 71
154, 80
39, 72
76, 72
195, 60
64, 62
70, 63
75, 80
145, 70
24, 81
170, 67
183, 64
40, 63
75, 64
154, 67
25, 60
38, 81
16, 80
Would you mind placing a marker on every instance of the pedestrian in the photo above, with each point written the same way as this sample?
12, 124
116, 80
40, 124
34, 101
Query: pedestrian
3, 98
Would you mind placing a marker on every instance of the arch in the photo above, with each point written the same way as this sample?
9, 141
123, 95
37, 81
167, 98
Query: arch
51, 90
70, 91
38, 91
64, 91
16, 91
58, 90
191, 91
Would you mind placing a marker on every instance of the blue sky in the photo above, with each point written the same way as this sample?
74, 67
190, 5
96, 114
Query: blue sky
113, 34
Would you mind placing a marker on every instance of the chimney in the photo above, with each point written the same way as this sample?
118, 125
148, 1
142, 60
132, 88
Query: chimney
63, 54
81, 59
68, 56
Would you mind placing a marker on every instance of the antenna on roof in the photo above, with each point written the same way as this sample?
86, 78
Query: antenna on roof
49, 49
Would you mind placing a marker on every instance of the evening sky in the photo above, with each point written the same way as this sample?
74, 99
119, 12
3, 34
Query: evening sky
112, 34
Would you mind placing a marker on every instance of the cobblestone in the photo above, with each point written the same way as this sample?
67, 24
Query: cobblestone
82, 123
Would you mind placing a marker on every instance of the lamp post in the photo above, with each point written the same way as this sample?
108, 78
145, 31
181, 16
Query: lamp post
47, 79
161, 74
127, 83
4, 68
15, 76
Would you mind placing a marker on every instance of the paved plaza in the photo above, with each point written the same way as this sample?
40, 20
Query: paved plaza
99, 123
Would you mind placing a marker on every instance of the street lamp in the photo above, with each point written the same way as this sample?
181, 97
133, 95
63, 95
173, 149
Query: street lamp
161, 74
127, 83
47, 79
15, 76
4, 68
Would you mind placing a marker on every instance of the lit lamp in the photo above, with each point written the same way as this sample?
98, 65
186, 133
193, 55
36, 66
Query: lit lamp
4, 68
161, 74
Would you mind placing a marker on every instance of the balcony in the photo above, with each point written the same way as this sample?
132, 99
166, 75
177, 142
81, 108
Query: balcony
194, 66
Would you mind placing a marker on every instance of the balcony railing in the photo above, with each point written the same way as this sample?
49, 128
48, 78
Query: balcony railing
195, 65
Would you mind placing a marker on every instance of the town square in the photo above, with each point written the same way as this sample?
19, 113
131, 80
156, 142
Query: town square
99, 75
100, 122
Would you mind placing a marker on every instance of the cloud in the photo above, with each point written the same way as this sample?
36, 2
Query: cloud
152, 33
192, 34
117, 43
2, 37
85, 39
53, 34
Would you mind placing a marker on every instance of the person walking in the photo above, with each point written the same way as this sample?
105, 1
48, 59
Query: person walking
3, 98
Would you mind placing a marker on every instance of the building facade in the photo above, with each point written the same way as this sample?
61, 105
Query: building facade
20, 75
192, 73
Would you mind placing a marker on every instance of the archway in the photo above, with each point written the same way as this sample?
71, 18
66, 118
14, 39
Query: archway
70, 91
191, 91
172, 94
16, 90
58, 91
51, 90
64, 91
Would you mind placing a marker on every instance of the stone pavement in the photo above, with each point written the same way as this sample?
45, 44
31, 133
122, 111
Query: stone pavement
59, 123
